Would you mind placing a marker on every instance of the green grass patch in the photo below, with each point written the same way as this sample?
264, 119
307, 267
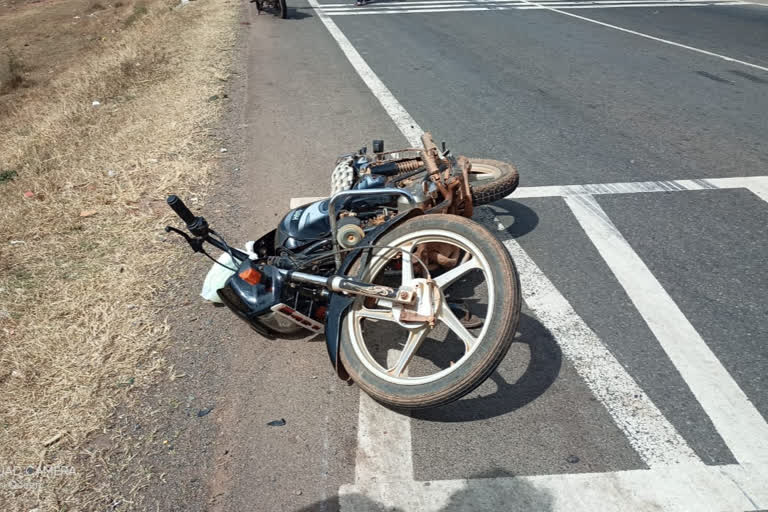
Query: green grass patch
7, 175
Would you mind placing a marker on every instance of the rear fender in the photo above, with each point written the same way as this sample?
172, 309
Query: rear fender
339, 303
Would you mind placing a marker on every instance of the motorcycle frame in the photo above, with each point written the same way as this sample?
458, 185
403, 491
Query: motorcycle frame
358, 193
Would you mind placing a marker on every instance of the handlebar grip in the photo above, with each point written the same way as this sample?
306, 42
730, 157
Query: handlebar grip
178, 206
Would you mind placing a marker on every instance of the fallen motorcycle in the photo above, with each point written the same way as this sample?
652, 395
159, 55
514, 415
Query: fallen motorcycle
418, 303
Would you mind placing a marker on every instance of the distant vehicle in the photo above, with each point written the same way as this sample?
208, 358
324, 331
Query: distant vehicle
277, 7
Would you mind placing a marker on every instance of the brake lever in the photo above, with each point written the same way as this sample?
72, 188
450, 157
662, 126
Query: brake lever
195, 243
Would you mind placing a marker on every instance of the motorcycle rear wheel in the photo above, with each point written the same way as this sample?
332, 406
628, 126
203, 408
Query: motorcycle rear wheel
491, 180
405, 380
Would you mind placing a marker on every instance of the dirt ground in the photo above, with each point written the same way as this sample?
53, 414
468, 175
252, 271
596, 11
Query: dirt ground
46, 37
114, 106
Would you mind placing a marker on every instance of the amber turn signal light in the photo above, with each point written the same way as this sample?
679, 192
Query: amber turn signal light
250, 276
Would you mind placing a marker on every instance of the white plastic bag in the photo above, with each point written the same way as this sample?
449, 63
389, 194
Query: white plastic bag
217, 277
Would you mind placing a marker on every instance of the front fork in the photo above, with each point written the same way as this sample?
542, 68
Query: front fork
347, 285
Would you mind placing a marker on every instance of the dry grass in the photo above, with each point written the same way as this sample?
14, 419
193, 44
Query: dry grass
82, 261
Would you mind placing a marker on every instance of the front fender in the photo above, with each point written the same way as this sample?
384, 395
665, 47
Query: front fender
340, 303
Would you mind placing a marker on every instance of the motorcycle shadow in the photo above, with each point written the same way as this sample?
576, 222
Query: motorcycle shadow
540, 373
518, 219
298, 13
475, 494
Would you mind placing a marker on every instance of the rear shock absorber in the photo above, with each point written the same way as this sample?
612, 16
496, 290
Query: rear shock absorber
409, 165
395, 168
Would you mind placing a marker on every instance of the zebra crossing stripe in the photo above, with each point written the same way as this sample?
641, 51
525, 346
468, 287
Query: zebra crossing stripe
433, 3
735, 418
400, 7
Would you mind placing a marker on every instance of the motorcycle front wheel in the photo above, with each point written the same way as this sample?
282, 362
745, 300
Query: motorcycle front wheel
407, 362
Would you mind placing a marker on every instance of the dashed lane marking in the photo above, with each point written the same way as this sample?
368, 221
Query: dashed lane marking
407, 125
646, 36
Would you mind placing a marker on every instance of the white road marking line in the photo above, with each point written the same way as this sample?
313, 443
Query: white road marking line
647, 36
406, 3
506, 3
383, 441
570, 7
424, 10
655, 439
335, 10
407, 125
757, 184
331, 6
678, 488
409, 5
760, 190
361, 11
733, 415
490, 9
638, 187
485, 7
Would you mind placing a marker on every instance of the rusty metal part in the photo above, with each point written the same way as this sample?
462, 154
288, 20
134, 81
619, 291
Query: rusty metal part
455, 190
468, 319
430, 153
457, 196
438, 254
401, 166
439, 180
453, 196
446, 255
466, 166
440, 208
429, 297
399, 178
407, 315
377, 220
452, 181
441, 253
408, 165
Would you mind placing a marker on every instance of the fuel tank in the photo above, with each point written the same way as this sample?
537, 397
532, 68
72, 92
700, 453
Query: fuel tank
304, 225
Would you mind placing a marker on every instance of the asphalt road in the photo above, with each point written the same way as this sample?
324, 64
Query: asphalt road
569, 102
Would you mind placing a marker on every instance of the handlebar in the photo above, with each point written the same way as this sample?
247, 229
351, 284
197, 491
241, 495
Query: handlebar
178, 206
199, 228
196, 225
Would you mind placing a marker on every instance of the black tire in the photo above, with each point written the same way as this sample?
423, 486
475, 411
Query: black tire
491, 348
283, 10
502, 182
